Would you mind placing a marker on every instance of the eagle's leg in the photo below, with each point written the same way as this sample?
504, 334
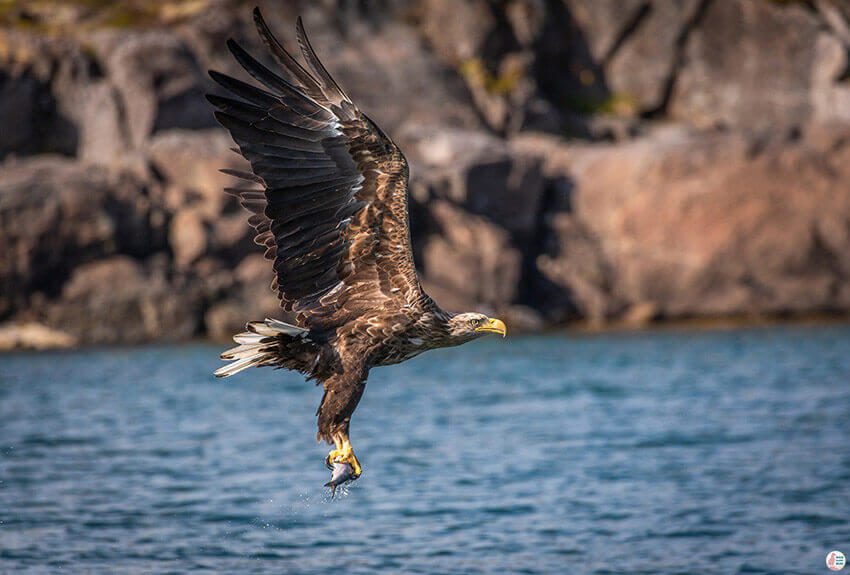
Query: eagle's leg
343, 453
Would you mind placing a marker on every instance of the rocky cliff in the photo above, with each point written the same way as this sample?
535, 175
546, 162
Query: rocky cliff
599, 160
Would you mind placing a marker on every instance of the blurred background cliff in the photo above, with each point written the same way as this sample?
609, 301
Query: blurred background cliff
595, 161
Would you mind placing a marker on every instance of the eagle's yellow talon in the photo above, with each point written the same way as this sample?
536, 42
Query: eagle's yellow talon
332, 456
344, 455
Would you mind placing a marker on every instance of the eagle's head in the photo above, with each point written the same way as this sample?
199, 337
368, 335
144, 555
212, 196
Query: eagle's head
464, 327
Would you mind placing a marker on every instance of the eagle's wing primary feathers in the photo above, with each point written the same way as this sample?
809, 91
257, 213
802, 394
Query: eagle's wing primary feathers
333, 209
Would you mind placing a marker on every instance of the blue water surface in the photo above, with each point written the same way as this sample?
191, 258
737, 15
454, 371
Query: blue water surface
676, 452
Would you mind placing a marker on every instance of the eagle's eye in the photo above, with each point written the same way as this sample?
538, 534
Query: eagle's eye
477, 322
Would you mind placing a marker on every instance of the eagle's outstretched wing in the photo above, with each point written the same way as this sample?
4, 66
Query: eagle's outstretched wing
333, 209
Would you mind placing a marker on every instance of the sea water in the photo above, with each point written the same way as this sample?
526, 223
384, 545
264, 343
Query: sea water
674, 452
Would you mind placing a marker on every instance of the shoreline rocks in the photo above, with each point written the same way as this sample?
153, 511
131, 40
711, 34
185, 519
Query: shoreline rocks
577, 161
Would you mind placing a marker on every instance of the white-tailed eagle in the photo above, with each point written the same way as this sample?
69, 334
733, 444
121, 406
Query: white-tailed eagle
328, 193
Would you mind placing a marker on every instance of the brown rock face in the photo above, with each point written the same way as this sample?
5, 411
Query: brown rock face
702, 225
391, 66
604, 22
19, 98
41, 81
481, 200
641, 69
472, 259
148, 305
480, 173
159, 80
56, 214
188, 237
527, 64
576, 280
749, 63
190, 161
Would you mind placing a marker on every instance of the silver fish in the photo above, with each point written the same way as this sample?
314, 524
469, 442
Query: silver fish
342, 472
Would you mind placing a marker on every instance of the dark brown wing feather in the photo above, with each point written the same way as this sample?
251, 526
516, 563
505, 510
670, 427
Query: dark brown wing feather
332, 213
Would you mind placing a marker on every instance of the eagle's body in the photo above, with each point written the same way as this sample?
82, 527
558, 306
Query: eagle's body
329, 200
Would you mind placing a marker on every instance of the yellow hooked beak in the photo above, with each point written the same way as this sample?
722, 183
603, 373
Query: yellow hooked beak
493, 325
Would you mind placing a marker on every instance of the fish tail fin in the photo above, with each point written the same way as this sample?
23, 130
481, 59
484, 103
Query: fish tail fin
333, 487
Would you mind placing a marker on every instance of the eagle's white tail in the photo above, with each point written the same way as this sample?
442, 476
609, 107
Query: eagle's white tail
258, 346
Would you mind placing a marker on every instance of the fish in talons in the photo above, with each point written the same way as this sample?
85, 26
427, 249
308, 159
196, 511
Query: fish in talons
342, 473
